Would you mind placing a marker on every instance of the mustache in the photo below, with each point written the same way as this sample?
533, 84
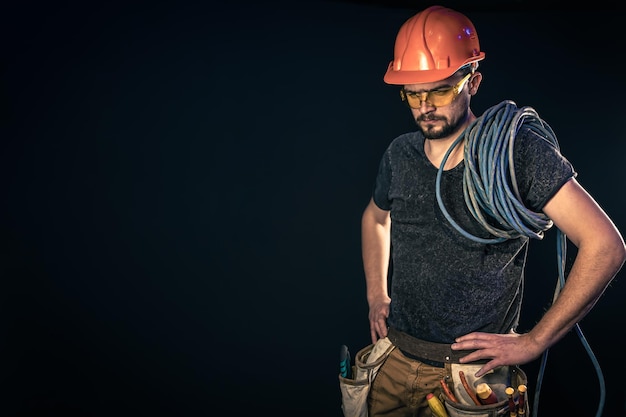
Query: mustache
428, 117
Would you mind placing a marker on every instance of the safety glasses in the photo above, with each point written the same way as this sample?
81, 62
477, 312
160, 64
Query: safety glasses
437, 98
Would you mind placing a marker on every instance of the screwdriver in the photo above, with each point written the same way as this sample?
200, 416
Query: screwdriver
436, 406
345, 368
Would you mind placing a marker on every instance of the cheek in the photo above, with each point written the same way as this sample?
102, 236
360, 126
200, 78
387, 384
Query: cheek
462, 100
459, 109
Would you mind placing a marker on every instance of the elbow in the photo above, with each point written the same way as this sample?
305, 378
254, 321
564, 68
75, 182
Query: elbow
621, 257
609, 251
617, 253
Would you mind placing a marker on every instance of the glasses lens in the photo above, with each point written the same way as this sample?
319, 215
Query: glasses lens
440, 98
437, 98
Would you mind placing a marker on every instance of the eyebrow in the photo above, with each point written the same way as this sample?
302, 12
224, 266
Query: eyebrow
440, 88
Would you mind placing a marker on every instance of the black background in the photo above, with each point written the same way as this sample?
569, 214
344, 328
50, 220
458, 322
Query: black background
182, 187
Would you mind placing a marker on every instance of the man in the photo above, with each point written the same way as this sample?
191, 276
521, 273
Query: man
450, 298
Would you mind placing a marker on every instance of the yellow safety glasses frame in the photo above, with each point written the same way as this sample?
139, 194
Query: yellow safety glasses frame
437, 98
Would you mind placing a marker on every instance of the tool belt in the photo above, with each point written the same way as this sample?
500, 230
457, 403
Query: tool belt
434, 354
440, 354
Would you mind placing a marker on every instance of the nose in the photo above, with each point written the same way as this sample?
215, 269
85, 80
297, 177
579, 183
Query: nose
424, 106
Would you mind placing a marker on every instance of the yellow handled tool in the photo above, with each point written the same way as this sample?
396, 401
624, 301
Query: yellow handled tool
436, 406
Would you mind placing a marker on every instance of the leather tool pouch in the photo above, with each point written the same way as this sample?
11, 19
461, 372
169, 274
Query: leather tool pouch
498, 379
354, 391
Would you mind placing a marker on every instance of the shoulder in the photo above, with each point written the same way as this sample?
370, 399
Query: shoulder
536, 135
410, 140
537, 144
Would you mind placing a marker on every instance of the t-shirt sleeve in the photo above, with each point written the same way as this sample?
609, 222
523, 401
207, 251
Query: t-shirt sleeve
541, 170
382, 184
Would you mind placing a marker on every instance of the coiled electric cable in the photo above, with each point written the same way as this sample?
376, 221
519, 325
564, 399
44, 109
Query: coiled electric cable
490, 189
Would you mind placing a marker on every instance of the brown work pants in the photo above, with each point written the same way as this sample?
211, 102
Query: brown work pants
401, 386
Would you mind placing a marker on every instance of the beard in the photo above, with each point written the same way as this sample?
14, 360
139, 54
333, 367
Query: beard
440, 131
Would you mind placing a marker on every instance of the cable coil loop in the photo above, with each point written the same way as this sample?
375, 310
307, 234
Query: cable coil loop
489, 182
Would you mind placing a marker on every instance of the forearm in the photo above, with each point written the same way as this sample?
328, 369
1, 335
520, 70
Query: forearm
591, 273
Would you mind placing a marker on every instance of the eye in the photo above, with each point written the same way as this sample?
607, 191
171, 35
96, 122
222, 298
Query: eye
441, 93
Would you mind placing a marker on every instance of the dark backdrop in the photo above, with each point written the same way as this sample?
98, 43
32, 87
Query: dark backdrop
182, 187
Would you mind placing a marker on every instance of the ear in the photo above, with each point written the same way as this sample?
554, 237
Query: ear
475, 83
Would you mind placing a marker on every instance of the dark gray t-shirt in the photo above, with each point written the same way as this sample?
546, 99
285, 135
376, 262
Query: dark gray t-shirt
443, 284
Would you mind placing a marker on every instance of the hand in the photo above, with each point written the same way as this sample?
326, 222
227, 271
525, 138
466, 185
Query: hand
379, 311
501, 349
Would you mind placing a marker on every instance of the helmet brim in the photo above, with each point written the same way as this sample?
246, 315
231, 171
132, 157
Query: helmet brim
394, 77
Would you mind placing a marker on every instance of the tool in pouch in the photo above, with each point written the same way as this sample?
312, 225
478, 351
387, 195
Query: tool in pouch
436, 406
345, 366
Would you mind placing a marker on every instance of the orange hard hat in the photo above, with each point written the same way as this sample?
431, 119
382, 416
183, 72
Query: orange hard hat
433, 45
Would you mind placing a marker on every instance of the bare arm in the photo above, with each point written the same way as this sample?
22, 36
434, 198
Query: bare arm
375, 246
601, 254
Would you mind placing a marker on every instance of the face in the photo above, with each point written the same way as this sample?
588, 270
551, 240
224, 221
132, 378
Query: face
445, 120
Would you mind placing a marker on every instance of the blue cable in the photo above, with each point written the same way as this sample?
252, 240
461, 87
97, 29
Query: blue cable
490, 189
